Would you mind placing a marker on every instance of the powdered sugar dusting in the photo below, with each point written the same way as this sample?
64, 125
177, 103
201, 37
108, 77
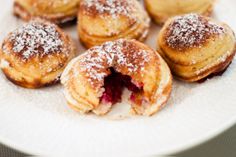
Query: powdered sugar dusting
191, 30
36, 39
111, 7
4, 63
121, 53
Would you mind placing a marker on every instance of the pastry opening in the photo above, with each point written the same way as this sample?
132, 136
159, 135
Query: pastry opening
114, 85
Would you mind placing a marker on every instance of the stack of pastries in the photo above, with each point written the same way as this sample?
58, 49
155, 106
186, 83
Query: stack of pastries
35, 54
195, 46
113, 19
191, 46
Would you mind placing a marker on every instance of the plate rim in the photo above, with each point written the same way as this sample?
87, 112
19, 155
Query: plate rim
194, 143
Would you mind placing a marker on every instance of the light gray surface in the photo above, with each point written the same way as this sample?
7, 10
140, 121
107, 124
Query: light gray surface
221, 146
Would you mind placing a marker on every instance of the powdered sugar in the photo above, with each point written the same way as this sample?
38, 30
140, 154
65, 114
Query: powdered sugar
4, 63
111, 7
121, 53
36, 39
191, 30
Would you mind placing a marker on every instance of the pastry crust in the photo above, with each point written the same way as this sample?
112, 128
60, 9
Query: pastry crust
161, 10
56, 11
84, 84
35, 54
113, 19
195, 46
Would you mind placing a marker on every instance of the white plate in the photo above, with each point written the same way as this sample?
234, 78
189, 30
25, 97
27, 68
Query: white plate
40, 122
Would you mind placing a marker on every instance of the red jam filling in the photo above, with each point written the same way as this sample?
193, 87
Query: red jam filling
114, 85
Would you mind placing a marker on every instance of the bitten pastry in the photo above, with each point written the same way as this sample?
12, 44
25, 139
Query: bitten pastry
36, 54
195, 46
161, 10
94, 81
57, 11
108, 20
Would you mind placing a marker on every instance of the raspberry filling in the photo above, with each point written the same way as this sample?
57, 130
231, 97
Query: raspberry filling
114, 85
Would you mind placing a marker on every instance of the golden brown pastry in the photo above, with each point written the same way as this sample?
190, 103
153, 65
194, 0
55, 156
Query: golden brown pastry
94, 81
35, 54
57, 11
108, 20
161, 10
195, 46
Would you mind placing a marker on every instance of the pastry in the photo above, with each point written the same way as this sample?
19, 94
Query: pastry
94, 81
57, 11
161, 10
108, 20
35, 54
195, 46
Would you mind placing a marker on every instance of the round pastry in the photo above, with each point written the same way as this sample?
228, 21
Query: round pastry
195, 46
161, 10
57, 11
36, 54
94, 81
108, 20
